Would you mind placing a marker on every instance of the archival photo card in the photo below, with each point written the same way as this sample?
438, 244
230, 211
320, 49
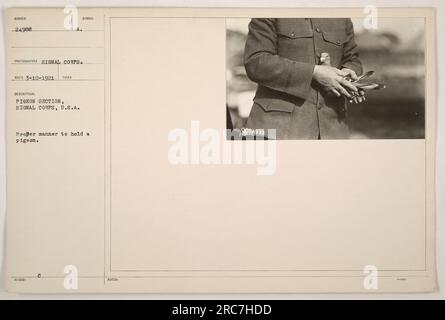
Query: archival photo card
242, 150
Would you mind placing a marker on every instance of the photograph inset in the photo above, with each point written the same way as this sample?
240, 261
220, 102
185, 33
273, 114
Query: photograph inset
326, 78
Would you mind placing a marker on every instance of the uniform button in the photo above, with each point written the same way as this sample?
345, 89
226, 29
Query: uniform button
318, 29
338, 42
292, 34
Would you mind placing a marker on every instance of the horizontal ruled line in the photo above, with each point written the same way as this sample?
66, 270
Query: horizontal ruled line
61, 80
55, 64
58, 30
221, 276
56, 47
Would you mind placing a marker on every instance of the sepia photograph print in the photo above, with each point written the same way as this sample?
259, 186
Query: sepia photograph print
325, 78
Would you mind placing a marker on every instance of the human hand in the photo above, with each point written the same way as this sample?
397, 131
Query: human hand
359, 97
350, 74
333, 80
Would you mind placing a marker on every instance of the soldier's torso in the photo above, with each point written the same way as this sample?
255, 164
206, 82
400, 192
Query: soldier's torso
320, 115
305, 39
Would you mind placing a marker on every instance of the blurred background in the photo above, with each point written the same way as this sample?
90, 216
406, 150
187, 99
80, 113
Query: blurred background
395, 51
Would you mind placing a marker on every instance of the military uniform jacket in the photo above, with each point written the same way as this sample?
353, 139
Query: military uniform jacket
280, 56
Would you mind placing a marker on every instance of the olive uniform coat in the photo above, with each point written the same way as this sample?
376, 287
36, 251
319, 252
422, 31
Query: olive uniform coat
280, 56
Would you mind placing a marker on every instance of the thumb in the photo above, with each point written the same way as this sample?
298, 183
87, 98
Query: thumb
351, 73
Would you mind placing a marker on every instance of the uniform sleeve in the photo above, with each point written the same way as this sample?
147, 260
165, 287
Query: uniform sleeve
350, 54
265, 67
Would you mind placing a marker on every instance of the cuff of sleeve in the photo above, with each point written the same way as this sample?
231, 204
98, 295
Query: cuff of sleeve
300, 79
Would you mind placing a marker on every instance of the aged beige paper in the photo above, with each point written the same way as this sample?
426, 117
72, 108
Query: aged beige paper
95, 100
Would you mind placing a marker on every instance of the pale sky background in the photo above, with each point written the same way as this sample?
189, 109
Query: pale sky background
405, 28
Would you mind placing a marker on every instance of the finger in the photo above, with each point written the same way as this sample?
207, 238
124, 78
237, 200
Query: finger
348, 85
361, 92
343, 91
336, 92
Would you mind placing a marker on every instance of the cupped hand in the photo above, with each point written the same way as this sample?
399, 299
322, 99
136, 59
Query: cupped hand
333, 80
